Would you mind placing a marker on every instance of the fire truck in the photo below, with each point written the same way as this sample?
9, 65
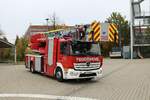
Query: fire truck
57, 54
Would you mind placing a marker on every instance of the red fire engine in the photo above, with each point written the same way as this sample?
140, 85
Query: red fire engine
62, 57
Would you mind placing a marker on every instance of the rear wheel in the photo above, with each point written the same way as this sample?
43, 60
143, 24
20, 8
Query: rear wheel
32, 68
59, 74
26, 65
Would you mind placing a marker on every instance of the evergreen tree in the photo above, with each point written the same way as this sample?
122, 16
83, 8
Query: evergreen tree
123, 26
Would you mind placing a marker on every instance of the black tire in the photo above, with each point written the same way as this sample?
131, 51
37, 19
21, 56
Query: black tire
32, 68
26, 65
59, 75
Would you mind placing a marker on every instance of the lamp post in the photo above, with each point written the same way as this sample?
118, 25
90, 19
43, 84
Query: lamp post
131, 28
15, 55
47, 19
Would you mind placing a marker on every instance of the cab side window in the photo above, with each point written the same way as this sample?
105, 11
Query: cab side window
64, 48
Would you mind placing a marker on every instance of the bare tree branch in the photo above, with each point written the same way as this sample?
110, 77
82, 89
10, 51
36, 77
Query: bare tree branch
54, 20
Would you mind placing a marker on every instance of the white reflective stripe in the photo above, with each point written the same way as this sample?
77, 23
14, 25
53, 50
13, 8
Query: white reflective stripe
38, 64
34, 55
42, 96
28, 64
50, 52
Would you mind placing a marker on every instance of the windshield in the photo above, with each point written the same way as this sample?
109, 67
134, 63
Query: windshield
80, 48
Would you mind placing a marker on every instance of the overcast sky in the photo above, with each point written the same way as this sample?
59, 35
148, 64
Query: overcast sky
17, 15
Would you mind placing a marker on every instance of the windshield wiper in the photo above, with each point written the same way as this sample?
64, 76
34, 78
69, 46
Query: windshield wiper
92, 53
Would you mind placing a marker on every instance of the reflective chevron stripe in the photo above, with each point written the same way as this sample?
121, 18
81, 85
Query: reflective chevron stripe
96, 31
113, 33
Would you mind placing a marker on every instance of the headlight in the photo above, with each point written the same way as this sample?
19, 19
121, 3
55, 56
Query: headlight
99, 72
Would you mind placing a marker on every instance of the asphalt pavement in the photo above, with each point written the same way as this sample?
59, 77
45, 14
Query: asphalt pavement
122, 80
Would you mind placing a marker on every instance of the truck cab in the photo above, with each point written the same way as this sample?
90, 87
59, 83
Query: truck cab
78, 59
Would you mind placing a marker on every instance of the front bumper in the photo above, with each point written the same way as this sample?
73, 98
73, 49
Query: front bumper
73, 74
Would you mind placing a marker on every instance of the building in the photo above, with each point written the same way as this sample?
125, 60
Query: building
140, 37
33, 29
5, 44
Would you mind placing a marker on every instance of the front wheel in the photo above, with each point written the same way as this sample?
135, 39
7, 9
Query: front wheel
59, 75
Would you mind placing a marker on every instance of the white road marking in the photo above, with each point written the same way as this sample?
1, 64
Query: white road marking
42, 96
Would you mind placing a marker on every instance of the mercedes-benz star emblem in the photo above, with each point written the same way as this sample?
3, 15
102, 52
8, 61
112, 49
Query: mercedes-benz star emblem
88, 63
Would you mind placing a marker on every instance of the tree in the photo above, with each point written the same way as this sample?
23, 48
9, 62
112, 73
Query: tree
123, 26
24, 42
54, 20
17, 39
21, 45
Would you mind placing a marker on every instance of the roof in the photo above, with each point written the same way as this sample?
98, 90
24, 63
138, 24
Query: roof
32, 29
5, 44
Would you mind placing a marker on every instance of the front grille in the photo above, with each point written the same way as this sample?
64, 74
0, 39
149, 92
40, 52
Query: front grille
87, 75
86, 66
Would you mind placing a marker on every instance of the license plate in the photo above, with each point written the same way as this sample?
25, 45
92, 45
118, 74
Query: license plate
87, 72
